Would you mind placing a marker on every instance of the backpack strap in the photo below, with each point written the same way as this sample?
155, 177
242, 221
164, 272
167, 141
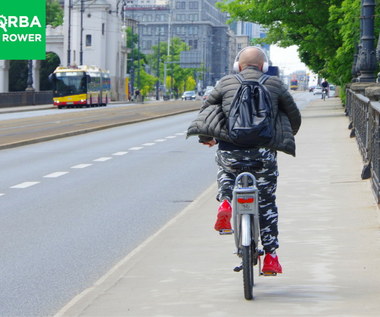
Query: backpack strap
240, 78
263, 78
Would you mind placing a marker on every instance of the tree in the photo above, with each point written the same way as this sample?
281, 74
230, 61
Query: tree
326, 32
47, 67
178, 78
54, 13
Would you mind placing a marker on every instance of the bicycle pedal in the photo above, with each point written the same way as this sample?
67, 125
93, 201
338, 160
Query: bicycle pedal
269, 273
225, 231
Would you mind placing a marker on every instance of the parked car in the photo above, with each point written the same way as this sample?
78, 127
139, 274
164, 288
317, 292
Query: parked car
317, 91
189, 95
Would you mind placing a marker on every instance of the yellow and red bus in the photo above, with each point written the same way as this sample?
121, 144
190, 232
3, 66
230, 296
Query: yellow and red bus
80, 86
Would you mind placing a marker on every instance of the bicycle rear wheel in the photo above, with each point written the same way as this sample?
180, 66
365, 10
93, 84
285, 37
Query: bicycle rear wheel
248, 271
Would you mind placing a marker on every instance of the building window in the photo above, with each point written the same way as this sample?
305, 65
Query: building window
103, 28
88, 40
193, 30
180, 5
193, 17
193, 5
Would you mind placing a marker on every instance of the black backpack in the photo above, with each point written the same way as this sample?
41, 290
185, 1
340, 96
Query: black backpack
250, 117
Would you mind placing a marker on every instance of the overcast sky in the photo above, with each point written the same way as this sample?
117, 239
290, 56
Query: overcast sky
286, 58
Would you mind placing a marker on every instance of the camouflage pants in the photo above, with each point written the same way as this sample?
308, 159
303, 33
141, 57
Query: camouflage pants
266, 178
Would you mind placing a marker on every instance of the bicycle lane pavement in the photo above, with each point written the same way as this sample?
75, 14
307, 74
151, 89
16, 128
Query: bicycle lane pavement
329, 236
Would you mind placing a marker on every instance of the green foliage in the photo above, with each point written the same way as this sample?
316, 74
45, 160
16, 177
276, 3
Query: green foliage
178, 79
147, 82
18, 75
47, 67
54, 13
326, 32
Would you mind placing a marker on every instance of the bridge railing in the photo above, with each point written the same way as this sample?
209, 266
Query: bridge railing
25, 98
364, 115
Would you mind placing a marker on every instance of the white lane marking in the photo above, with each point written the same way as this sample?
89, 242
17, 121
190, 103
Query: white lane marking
103, 159
171, 137
1, 194
180, 133
25, 185
136, 148
81, 166
160, 140
149, 144
56, 174
120, 153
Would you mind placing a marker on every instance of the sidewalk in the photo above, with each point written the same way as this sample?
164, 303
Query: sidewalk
330, 245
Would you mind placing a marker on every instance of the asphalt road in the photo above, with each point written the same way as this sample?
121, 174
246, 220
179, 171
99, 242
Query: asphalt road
37, 126
71, 208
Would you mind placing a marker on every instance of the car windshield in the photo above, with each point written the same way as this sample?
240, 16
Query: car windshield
189, 93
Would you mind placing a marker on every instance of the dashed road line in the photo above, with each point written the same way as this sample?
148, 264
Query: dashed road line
103, 159
81, 166
55, 174
119, 153
100, 159
25, 185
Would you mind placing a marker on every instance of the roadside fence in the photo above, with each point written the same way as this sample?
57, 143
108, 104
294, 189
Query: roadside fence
364, 115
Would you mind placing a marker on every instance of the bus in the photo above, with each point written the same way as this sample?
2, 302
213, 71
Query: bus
294, 84
80, 86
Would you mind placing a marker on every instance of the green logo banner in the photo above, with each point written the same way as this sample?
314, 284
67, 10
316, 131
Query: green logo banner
22, 29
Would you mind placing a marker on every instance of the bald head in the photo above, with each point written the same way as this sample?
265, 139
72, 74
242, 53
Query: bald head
251, 56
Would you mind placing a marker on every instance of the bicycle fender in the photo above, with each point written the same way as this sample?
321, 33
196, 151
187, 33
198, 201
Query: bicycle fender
246, 230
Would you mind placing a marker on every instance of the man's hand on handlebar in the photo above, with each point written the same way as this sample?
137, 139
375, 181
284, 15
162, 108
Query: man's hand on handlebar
210, 143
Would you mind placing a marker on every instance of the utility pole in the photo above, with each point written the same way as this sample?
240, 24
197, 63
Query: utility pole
81, 32
158, 67
69, 36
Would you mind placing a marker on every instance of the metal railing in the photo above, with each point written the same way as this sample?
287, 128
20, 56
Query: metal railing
25, 98
364, 117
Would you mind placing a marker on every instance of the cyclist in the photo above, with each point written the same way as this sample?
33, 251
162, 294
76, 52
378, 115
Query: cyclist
325, 88
211, 132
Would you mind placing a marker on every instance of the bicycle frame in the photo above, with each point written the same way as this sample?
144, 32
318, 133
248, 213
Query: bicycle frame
246, 227
245, 207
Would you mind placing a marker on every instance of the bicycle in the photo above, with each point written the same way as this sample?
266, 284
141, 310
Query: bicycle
246, 228
324, 93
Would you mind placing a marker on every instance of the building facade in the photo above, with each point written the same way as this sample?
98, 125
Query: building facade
95, 35
196, 22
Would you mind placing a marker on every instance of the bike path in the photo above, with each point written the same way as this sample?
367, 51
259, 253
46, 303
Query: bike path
329, 237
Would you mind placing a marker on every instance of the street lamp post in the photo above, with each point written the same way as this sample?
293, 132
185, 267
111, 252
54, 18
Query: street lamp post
30, 76
367, 55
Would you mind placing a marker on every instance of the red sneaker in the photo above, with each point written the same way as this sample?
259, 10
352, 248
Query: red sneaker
271, 265
224, 216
